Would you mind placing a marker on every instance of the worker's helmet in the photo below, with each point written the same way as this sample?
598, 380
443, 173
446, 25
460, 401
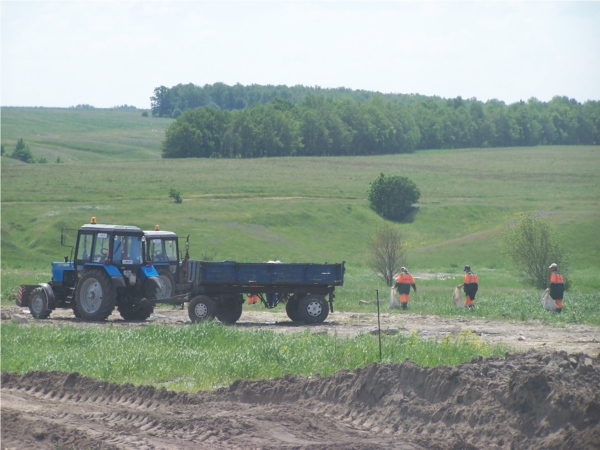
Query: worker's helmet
403, 269
467, 267
552, 266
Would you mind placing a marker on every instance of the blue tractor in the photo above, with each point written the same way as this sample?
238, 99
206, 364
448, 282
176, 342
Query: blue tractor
163, 251
109, 268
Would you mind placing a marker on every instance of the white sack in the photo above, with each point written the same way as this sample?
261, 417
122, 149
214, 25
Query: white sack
394, 303
547, 301
457, 298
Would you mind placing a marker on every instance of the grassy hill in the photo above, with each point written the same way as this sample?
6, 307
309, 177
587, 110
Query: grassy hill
290, 209
84, 134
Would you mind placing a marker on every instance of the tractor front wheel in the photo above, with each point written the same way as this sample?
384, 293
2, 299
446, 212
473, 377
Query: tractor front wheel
95, 296
38, 304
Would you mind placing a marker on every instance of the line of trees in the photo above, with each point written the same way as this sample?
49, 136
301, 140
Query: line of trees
335, 124
169, 102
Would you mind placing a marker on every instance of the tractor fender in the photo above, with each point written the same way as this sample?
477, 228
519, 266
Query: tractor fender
115, 274
147, 272
49, 295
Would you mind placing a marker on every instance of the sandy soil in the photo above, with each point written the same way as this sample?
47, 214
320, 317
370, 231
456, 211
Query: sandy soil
528, 400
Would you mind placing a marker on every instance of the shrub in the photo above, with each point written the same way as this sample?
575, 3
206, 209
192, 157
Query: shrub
22, 152
175, 195
533, 245
145, 114
387, 253
392, 197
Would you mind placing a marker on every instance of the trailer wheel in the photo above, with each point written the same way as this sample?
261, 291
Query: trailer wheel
140, 310
229, 311
95, 295
201, 308
38, 304
167, 283
313, 309
292, 309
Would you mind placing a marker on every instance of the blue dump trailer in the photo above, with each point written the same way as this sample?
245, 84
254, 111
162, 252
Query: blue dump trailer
219, 289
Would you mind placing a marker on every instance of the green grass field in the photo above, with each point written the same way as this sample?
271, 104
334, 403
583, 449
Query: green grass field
84, 134
209, 356
290, 209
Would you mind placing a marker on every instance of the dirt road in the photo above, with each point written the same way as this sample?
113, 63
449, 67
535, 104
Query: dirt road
537, 399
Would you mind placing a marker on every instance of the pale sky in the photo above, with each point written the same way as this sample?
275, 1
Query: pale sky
109, 53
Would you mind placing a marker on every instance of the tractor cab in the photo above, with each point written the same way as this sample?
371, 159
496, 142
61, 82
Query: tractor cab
163, 251
108, 268
119, 249
163, 248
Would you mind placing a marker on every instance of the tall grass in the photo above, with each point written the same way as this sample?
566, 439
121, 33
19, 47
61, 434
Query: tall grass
208, 355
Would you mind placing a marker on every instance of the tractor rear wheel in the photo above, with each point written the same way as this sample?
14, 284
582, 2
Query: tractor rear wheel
201, 308
167, 283
95, 295
313, 309
140, 310
38, 304
229, 311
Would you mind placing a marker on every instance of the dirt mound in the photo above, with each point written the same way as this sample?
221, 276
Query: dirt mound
527, 400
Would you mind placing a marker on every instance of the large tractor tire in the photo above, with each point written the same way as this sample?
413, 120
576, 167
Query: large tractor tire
313, 309
292, 309
140, 310
38, 304
229, 311
201, 308
167, 283
95, 296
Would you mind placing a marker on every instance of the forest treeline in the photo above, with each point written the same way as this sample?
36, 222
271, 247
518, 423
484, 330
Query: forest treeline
221, 121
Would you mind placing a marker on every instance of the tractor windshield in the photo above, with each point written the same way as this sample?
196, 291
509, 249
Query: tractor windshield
163, 250
127, 249
157, 253
84, 247
171, 249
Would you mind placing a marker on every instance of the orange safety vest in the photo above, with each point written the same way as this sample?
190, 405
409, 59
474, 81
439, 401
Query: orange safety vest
405, 278
557, 278
471, 278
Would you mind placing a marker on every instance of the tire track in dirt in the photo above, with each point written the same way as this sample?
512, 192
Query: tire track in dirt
526, 400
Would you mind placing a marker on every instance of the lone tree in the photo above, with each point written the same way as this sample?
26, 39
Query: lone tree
387, 253
22, 152
533, 245
392, 197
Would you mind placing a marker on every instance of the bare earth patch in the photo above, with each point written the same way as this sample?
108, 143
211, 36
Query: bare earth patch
547, 397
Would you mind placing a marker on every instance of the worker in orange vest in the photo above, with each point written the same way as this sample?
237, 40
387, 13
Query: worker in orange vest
470, 286
403, 283
557, 286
